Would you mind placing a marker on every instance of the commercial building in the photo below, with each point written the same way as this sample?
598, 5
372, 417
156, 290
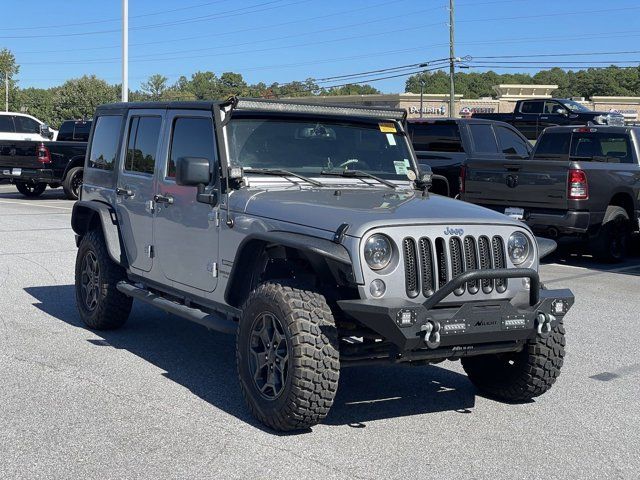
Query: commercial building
437, 105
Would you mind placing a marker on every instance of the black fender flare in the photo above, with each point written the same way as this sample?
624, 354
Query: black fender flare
85, 216
244, 259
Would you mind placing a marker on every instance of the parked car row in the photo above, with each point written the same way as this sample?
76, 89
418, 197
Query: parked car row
42, 157
578, 181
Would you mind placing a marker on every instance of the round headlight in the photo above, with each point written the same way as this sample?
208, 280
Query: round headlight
377, 251
519, 248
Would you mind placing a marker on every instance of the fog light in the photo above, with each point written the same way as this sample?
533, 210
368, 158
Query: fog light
377, 288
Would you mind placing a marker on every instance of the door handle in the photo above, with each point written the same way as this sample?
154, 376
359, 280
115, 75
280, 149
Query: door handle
124, 192
168, 199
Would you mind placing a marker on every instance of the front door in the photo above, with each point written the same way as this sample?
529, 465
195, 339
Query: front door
526, 120
185, 230
135, 187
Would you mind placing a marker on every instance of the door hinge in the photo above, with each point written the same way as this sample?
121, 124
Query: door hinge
212, 267
149, 250
214, 216
150, 206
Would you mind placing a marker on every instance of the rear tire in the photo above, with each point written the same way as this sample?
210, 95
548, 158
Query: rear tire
72, 183
610, 244
31, 189
519, 376
101, 305
287, 356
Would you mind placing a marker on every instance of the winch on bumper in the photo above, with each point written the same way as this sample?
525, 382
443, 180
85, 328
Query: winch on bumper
413, 326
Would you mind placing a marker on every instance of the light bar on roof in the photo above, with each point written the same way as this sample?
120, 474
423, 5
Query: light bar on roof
295, 107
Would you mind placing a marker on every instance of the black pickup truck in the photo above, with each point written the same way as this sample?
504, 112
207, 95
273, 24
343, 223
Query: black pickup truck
533, 116
580, 181
445, 144
32, 165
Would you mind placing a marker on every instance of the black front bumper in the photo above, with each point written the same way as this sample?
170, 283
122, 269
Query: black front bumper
409, 325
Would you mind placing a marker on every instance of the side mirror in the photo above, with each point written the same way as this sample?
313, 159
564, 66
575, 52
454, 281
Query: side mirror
192, 171
45, 131
425, 177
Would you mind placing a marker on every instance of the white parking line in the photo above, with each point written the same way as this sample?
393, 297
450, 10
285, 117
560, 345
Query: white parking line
2, 200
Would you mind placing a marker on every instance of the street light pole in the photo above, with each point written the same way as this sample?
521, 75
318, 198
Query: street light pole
452, 58
6, 91
421, 92
125, 50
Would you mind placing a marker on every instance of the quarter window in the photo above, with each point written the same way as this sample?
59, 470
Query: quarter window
192, 137
144, 133
105, 142
511, 143
483, 138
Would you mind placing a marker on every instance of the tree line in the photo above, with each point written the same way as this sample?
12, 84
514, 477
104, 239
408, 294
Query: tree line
78, 97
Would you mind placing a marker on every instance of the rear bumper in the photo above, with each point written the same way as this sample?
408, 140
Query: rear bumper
473, 326
29, 175
562, 221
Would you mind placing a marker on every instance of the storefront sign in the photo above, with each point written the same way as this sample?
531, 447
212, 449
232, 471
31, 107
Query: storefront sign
469, 111
428, 110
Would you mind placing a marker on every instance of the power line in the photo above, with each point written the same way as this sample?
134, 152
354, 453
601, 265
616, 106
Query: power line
562, 54
555, 14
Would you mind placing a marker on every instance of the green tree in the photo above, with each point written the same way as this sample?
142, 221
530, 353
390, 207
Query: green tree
8, 69
352, 89
155, 86
79, 97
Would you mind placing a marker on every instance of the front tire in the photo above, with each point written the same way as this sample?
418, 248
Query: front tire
101, 305
519, 376
611, 242
31, 190
72, 183
287, 356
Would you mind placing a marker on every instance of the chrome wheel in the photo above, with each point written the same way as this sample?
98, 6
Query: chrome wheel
268, 355
90, 281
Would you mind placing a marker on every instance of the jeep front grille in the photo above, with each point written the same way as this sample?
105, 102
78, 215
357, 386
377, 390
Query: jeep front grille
430, 264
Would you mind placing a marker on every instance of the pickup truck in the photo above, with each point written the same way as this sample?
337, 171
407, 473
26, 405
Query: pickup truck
580, 181
32, 165
20, 126
531, 117
446, 144
74, 130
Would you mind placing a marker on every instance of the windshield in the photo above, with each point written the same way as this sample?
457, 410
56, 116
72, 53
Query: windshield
311, 147
575, 106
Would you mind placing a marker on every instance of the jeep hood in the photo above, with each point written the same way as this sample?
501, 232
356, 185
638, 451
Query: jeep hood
361, 208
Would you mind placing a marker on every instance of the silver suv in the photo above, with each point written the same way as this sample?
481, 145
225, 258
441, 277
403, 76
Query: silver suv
309, 232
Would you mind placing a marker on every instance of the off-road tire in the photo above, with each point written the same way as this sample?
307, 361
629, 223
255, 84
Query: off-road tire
533, 371
313, 366
112, 307
611, 242
31, 190
70, 183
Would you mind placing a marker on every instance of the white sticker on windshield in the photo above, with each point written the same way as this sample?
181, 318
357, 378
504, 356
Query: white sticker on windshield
391, 139
401, 167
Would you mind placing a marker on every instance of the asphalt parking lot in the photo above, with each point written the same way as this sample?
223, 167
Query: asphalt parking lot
160, 399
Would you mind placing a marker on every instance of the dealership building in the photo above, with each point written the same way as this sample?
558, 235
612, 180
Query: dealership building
437, 105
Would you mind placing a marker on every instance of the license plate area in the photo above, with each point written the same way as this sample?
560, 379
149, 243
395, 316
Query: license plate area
514, 212
16, 172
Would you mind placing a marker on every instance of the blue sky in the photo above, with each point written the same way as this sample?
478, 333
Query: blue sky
285, 40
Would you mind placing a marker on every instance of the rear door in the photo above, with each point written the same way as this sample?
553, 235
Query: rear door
135, 187
527, 117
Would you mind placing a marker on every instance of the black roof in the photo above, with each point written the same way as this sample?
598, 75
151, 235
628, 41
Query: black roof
192, 105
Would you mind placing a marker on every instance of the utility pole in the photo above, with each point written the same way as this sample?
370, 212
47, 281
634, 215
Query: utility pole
125, 50
452, 59
6, 91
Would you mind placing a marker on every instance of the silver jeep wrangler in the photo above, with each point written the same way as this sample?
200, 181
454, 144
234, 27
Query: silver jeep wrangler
309, 232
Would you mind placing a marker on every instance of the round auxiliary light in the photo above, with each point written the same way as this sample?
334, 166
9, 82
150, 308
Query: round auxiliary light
377, 288
378, 251
519, 248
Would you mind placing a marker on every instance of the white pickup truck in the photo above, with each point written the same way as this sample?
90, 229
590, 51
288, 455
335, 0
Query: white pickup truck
20, 126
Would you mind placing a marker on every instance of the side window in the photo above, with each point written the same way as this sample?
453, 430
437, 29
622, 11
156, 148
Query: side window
81, 131
435, 137
6, 124
142, 143
511, 143
191, 137
105, 142
553, 146
551, 108
66, 132
531, 107
26, 125
483, 138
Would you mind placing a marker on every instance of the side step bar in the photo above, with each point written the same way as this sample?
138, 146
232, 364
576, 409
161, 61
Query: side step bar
212, 321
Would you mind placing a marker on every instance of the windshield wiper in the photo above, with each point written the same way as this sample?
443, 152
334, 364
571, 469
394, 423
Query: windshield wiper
283, 173
359, 174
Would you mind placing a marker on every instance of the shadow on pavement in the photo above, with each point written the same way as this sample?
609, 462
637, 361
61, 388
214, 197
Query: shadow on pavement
204, 363
9, 191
